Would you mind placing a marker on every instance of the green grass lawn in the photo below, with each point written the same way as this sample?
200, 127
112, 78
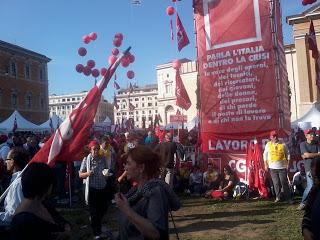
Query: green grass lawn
201, 218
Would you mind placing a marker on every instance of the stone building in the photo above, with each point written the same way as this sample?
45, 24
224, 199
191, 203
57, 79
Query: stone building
23, 83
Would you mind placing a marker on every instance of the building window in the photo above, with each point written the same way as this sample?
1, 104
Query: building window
149, 98
142, 99
150, 118
13, 69
167, 75
137, 112
29, 100
137, 119
143, 112
136, 104
168, 88
14, 99
142, 104
136, 99
156, 104
63, 100
149, 104
78, 98
155, 98
68, 99
27, 71
149, 111
156, 111
73, 99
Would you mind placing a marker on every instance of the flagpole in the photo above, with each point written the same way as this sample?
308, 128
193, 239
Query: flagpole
198, 106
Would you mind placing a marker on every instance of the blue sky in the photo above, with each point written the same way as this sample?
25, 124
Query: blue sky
55, 28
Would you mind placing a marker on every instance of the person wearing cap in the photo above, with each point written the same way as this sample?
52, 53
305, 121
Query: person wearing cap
97, 191
276, 161
310, 152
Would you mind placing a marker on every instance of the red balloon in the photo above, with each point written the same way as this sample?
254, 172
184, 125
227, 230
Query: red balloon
174, 0
87, 70
125, 62
103, 71
86, 39
93, 36
79, 68
176, 64
112, 59
82, 51
131, 58
119, 35
91, 64
170, 10
130, 74
115, 51
117, 42
95, 73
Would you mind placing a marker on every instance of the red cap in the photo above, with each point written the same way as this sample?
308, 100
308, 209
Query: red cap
273, 133
308, 131
93, 144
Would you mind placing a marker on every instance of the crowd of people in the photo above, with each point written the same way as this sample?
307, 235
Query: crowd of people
141, 174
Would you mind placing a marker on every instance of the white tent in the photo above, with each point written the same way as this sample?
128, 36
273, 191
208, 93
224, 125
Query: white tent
310, 119
103, 126
54, 121
22, 123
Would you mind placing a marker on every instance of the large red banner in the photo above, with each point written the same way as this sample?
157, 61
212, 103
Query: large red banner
239, 85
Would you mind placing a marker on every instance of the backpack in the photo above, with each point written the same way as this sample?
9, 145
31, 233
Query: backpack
240, 191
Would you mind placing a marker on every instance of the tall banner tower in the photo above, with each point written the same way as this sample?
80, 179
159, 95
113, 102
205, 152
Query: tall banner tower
242, 76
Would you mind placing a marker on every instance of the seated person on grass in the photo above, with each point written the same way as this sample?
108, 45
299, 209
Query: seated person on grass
195, 181
211, 178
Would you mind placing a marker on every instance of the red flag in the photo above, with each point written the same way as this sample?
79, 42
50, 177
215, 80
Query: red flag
183, 99
115, 103
116, 85
15, 124
182, 37
312, 42
73, 133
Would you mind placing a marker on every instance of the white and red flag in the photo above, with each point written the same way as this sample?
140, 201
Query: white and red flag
182, 37
74, 131
131, 106
313, 47
183, 99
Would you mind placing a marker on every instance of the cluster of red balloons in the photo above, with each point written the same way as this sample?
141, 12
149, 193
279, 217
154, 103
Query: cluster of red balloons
126, 60
89, 68
306, 2
90, 37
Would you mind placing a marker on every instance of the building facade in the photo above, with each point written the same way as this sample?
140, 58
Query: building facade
23, 83
300, 64
144, 105
62, 106
166, 78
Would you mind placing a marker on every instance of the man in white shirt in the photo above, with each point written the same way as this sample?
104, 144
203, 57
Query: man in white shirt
17, 159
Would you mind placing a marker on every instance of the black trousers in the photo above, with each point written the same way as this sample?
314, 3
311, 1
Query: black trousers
99, 201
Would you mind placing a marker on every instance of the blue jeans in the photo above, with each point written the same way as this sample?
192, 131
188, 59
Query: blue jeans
308, 188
